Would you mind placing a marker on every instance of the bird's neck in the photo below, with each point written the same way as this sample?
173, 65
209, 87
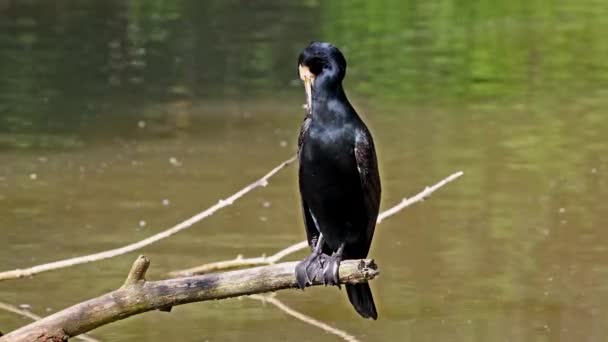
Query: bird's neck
324, 91
329, 102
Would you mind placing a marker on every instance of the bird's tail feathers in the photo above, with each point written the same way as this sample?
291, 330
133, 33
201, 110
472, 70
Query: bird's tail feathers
360, 296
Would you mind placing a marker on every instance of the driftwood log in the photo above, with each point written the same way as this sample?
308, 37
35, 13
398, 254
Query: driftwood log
137, 295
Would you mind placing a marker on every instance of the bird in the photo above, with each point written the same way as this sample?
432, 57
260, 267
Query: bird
338, 176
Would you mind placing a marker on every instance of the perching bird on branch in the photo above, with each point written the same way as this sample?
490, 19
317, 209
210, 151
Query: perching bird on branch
338, 176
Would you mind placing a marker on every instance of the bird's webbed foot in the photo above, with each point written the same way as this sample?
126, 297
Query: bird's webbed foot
311, 267
331, 268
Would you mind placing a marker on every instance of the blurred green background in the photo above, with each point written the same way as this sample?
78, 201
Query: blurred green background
119, 119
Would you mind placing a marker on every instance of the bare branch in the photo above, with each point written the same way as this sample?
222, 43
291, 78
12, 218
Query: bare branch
421, 196
240, 262
142, 296
32, 316
138, 271
20, 273
304, 318
269, 260
19, 311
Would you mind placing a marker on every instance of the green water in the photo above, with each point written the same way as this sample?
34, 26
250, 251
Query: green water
119, 119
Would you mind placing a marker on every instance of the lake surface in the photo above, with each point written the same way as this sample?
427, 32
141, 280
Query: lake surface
119, 119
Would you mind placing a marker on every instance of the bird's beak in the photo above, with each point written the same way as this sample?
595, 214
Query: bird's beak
308, 78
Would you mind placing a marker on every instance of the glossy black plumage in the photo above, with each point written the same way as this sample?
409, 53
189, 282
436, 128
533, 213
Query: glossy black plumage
338, 175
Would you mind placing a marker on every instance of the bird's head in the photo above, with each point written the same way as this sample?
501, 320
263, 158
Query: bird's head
320, 64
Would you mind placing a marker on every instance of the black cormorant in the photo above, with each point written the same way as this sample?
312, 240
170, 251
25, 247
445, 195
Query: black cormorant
338, 176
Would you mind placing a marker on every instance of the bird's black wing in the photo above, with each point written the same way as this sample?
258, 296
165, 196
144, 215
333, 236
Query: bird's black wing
311, 229
367, 166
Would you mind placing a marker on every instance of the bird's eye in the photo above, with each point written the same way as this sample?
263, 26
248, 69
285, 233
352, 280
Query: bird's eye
316, 65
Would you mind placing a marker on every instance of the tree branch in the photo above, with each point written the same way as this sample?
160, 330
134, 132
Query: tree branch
32, 316
269, 260
27, 272
137, 296
304, 318
421, 196
138, 271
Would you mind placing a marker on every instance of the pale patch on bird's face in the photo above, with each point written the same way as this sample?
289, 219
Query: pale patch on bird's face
308, 77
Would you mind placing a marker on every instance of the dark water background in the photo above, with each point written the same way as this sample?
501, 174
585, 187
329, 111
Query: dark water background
119, 119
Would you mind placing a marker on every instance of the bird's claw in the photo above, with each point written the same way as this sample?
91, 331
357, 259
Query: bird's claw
302, 278
308, 269
330, 271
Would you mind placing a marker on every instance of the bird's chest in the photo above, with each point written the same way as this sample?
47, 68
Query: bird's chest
328, 165
329, 148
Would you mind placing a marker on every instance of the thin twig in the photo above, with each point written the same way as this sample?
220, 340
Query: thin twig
239, 262
139, 296
20, 273
269, 260
19, 311
421, 196
304, 318
32, 316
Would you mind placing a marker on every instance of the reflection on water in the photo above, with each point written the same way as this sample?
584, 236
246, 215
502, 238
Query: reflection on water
119, 119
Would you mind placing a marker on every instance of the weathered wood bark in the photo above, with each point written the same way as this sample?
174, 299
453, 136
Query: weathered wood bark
138, 295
